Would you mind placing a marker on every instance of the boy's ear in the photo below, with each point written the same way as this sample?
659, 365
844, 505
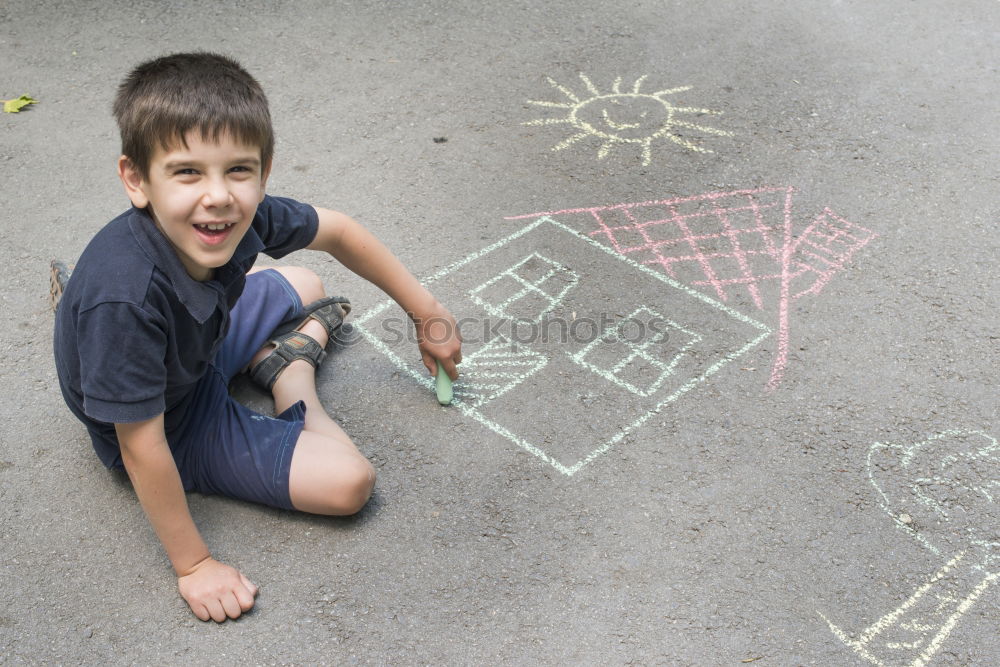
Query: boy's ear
133, 181
264, 173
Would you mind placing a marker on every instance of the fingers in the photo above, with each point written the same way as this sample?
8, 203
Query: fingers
429, 363
449, 367
439, 339
201, 612
252, 587
231, 605
245, 594
218, 592
216, 611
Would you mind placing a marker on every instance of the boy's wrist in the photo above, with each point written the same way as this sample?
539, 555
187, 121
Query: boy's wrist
423, 306
185, 566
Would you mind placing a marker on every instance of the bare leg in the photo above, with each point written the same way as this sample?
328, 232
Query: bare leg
328, 473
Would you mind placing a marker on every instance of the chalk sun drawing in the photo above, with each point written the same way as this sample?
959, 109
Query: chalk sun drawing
568, 389
626, 118
945, 493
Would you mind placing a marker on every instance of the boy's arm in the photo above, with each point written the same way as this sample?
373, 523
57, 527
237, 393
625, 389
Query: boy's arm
212, 589
357, 249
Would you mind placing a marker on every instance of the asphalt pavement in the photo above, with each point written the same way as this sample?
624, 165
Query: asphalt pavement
728, 282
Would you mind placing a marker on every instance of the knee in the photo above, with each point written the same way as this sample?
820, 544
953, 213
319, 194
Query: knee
305, 282
355, 483
328, 476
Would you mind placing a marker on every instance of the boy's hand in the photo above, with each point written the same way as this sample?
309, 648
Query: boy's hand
216, 591
211, 589
439, 339
355, 247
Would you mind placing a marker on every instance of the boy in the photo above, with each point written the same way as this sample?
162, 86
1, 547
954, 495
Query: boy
160, 313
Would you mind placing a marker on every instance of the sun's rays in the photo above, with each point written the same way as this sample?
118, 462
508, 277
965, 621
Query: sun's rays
566, 143
621, 118
704, 128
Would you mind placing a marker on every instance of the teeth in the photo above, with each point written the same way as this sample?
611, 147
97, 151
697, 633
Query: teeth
215, 228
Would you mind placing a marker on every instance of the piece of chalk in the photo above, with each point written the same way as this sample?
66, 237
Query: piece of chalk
443, 386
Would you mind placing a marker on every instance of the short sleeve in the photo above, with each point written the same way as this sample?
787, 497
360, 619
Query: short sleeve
285, 225
122, 370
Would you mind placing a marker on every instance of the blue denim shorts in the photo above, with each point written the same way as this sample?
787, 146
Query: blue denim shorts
224, 447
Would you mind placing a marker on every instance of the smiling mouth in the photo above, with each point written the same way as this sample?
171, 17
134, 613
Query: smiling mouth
215, 228
618, 126
214, 234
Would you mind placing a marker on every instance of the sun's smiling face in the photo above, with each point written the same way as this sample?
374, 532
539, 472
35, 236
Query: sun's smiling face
629, 118
625, 118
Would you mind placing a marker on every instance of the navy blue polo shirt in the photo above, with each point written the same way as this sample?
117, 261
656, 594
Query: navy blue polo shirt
134, 332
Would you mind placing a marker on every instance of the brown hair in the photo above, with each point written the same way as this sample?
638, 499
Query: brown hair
163, 99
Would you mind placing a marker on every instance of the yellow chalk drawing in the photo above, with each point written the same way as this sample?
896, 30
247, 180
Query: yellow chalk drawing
620, 118
943, 492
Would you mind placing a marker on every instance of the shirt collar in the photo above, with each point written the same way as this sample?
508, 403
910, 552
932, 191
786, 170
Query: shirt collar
200, 298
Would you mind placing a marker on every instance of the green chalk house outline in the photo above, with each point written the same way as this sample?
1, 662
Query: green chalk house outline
481, 386
614, 374
527, 287
470, 410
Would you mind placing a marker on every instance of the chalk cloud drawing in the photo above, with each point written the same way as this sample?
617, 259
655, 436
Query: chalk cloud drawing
640, 366
538, 384
739, 245
945, 493
621, 118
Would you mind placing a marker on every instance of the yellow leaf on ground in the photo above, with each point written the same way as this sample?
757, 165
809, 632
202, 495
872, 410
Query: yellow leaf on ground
15, 105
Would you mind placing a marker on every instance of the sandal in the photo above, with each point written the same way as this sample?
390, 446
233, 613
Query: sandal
59, 274
290, 344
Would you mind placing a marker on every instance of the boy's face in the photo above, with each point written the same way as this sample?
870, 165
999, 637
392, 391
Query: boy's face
202, 197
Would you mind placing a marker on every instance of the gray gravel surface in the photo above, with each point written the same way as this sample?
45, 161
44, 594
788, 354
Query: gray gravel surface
736, 523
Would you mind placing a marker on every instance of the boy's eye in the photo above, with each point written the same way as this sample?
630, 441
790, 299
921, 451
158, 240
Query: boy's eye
187, 171
240, 168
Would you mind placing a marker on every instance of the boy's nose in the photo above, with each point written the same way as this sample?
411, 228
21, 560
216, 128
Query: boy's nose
216, 193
